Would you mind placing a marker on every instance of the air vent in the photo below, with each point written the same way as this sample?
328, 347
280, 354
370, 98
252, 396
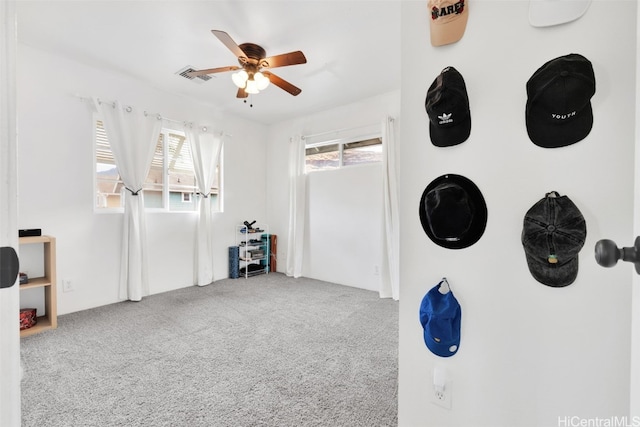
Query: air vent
200, 79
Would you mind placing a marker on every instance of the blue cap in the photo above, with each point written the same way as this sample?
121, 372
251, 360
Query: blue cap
440, 316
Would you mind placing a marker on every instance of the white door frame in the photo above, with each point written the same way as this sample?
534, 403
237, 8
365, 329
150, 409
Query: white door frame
10, 414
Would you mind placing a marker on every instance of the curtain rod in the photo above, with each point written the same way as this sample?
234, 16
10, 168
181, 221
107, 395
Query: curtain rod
160, 116
342, 130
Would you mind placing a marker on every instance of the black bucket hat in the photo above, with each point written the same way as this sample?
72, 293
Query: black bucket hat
453, 212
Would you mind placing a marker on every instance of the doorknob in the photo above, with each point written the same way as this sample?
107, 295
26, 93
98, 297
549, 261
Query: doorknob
9, 266
608, 253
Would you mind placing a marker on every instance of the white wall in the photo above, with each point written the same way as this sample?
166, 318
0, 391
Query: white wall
343, 237
529, 353
344, 226
55, 178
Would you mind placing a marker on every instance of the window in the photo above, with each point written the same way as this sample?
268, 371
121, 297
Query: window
332, 155
170, 184
322, 157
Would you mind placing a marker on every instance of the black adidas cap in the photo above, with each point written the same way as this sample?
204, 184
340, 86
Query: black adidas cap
447, 105
558, 111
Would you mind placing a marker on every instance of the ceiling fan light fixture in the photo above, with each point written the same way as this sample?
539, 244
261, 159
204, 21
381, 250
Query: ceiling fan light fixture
252, 87
240, 78
261, 80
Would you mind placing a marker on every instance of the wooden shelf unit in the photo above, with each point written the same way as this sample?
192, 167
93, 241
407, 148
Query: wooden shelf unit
48, 282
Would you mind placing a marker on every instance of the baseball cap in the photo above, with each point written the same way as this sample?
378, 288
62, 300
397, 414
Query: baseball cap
553, 233
440, 317
546, 13
558, 111
447, 106
448, 20
453, 212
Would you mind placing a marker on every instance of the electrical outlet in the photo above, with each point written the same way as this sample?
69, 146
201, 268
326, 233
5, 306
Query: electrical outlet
442, 397
67, 286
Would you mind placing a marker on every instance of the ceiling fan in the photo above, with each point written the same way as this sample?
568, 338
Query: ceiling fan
253, 61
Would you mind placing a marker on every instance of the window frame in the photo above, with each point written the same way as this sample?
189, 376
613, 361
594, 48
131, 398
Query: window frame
341, 142
166, 206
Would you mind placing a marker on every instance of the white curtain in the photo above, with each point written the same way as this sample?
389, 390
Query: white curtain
297, 207
133, 136
390, 286
205, 150
9, 296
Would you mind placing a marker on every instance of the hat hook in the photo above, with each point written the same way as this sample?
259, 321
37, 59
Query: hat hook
608, 253
444, 287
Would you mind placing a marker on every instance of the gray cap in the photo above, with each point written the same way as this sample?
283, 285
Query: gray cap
553, 233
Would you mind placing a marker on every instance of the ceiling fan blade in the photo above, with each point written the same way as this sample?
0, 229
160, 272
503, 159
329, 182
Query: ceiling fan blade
229, 43
282, 84
212, 70
241, 93
291, 58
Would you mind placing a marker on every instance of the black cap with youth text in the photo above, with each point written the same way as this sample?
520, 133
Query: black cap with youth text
447, 105
558, 111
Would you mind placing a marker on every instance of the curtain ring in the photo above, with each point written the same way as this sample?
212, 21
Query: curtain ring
204, 128
128, 108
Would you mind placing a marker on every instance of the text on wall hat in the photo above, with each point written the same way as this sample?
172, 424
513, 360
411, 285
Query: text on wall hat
448, 20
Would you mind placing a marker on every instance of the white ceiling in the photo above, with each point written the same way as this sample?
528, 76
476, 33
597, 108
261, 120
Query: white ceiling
352, 47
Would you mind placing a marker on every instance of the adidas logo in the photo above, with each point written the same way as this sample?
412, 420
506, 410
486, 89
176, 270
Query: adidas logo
445, 118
